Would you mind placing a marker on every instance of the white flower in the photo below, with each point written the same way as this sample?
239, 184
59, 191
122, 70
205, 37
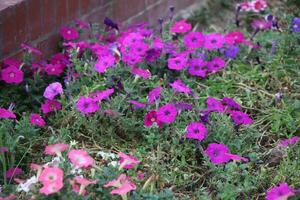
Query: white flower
107, 156
26, 185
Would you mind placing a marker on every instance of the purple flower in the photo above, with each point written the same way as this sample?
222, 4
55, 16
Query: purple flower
3, 149
196, 130
278, 97
53, 90
180, 87
204, 116
295, 25
13, 171
145, 73
261, 25
167, 113
104, 62
240, 118
281, 192
178, 63
197, 67
183, 106
31, 49
289, 141
100, 95
233, 105
215, 65
217, 153
193, 40
110, 23
154, 94
214, 105
87, 105
214, 41
137, 105
231, 52
152, 54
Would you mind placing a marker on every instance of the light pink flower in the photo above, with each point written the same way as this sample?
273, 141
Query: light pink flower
51, 188
80, 158
7, 114
52, 90
37, 120
55, 149
127, 161
51, 175
123, 185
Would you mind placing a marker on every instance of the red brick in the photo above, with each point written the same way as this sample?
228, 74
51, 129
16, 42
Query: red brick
98, 15
34, 18
8, 30
84, 6
49, 46
61, 12
48, 16
122, 10
22, 26
73, 7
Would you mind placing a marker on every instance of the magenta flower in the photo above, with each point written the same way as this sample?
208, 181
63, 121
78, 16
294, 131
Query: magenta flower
132, 59
154, 94
50, 106
193, 40
7, 114
31, 49
280, 192
231, 104
151, 118
141, 72
233, 38
177, 63
214, 105
196, 130
217, 153
197, 67
127, 161
60, 59
137, 105
181, 27
261, 25
167, 113
240, 118
104, 63
13, 171
37, 120
290, 141
215, 65
87, 105
54, 69
123, 185
214, 41
3, 149
132, 38
53, 90
139, 48
180, 87
12, 74
11, 62
101, 95
69, 33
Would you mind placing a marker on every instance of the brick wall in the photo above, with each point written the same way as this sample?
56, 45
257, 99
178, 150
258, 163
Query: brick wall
37, 22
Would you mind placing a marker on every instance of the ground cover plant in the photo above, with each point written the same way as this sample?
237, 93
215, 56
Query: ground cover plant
163, 112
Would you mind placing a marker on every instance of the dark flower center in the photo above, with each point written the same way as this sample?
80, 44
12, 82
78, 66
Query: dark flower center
213, 41
196, 131
167, 112
196, 67
216, 152
86, 105
194, 39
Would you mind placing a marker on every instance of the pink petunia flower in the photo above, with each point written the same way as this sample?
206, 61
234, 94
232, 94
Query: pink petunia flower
290, 141
51, 188
197, 67
217, 153
104, 62
196, 130
37, 120
69, 33
214, 105
123, 185
180, 87
181, 27
50, 106
151, 118
54, 69
280, 192
12, 74
177, 63
258, 5
82, 184
167, 113
80, 158
7, 114
214, 41
56, 149
101, 95
233, 38
127, 161
154, 94
51, 175
193, 40
215, 65
13, 171
53, 90
31, 49
240, 118
87, 105
141, 72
